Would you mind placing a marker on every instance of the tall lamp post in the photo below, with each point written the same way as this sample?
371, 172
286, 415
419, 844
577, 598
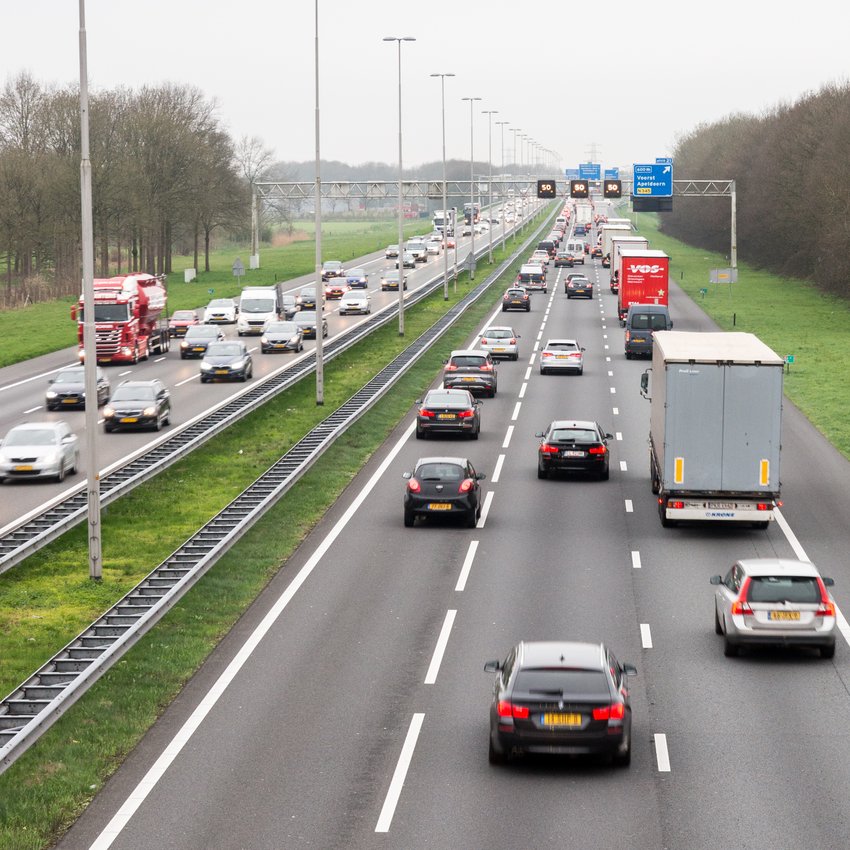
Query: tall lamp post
399, 40
445, 210
502, 125
320, 295
89, 337
472, 180
490, 113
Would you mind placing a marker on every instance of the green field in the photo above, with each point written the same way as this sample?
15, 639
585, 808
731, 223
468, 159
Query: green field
41, 328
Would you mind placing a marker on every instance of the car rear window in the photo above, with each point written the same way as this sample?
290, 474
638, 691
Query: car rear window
531, 276
783, 589
436, 398
562, 346
554, 681
498, 334
649, 322
578, 435
468, 360
439, 472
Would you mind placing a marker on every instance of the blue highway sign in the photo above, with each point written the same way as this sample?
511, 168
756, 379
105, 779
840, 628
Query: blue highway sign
589, 171
653, 180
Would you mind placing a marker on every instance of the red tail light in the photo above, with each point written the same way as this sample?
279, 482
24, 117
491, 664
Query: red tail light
597, 450
428, 414
628, 335
466, 414
547, 449
763, 506
826, 608
486, 368
677, 506
465, 485
508, 709
451, 368
740, 605
615, 711
546, 354
414, 486
512, 342
483, 341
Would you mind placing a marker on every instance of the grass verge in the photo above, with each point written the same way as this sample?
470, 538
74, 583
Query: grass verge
50, 599
792, 316
42, 328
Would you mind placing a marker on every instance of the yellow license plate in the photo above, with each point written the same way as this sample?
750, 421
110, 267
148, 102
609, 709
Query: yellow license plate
783, 615
130, 419
562, 720
69, 400
221, 371
439, 506
199, 349
445, 416
23, 468
469, 379
498, 349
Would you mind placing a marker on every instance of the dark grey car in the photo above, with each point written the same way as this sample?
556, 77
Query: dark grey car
68, 388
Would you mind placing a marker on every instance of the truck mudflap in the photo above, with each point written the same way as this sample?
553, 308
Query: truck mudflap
690, 509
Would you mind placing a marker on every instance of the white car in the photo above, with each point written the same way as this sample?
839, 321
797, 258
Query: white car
39, 450
562, 355
221, 311
500, 341
435, 248
355, 302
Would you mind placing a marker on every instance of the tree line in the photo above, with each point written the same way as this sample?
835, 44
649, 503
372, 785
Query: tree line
792, 177
164, 172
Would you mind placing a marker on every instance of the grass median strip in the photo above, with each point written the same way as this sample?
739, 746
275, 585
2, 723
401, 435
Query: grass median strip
51, 600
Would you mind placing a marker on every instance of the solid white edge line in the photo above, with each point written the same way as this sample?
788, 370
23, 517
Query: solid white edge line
467, 566
636, 560
400, 774
661, 754
522, 390
440, 648
645, 636
508, 434
515, 414
498, 470
629, 506
159, 359
488, 500
32, 409
155, 773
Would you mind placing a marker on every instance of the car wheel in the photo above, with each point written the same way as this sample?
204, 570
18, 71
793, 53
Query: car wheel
420, 435
409, 519
605, 474
718, 629
494, 756
76, 466
624, 758
541, 472
60, 476
628, 355
504, 309
761, 526
107, 428
729, 648
157, 425
827, 651
473, 435
182, 356
136, 354
581, 371
472, 518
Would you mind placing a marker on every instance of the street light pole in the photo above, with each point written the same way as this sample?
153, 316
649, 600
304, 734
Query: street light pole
89, 336
445, 201
399, 40
320, 294
472, 180
502, 124
490, 113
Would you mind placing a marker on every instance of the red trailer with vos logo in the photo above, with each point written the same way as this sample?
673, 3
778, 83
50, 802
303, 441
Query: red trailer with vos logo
643, 279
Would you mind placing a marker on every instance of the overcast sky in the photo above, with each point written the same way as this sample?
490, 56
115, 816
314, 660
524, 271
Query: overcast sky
626, 75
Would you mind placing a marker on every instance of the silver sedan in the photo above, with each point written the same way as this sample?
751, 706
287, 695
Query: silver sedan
500, 341
562, 355
39, 450
774, 601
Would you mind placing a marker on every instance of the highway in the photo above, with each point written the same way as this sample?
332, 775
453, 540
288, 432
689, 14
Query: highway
348, 708
23, 385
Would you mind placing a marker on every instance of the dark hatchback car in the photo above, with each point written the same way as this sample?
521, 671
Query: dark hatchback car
443, 486
516, 298
578, 287
306, 320
560, 698
68, 388
227, 361
138, 404
563, 259
197, 338
569, 445
281, 336
472, 370
448, 412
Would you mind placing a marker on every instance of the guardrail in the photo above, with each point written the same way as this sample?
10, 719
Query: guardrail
35, 705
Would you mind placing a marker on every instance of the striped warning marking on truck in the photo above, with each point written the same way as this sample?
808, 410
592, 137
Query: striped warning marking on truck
764, 472
678, 470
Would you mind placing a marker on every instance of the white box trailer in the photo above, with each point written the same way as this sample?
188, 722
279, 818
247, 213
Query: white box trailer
609, 231
715, 420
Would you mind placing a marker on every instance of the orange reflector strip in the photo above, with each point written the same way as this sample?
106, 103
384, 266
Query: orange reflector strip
764, 472
678, 470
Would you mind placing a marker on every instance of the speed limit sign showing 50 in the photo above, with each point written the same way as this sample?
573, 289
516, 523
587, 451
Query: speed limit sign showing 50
545, 188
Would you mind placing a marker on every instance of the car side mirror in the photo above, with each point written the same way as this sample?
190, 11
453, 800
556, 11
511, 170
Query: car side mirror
671, 324
540, 434
828, 582
629, 670
493, 667
609, 436
418, 401
52, 381
68, 438
716, 580
583, 348
480, 476
406, 475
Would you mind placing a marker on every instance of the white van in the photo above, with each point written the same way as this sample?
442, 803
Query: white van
257, 304
575, 248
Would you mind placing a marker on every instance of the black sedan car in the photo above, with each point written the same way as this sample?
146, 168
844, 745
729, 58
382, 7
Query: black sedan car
197, 338
138, 404
578, 287
471, 369
281, 336
448, 412
570, 445
68, 388
306, 320
226, 361
443, 486
561, 698
516, 298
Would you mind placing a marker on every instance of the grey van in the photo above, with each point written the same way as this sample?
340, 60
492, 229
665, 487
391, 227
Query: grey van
641, 322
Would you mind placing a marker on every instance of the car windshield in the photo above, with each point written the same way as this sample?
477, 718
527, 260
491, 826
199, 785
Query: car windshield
353, 296
107, 313
257, 305
201, 332
391, 276
183, 315
70, 376
439, 472
438, 397
134, 393
357, 273
514, 293
648, 322
579, 281
282, 328
561, 346
308, 293
468, 360
498, 333
306, 317
220, 302
558, 682
287, 299
784, 589
30, 437
574, 435
224, 349
331, 265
